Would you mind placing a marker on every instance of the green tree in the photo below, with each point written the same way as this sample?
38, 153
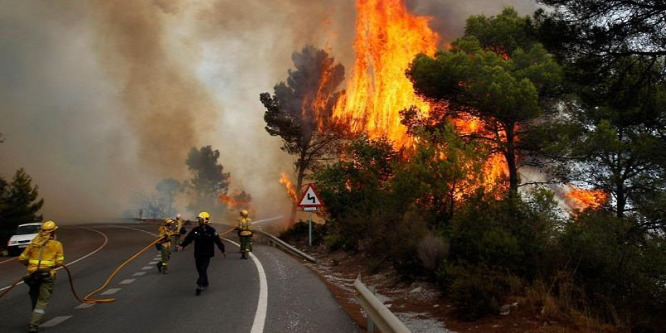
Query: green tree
357, 187
167, 189
19, 203
616, 116
300, 109
208, 179
441, 170
605, 29
499, 73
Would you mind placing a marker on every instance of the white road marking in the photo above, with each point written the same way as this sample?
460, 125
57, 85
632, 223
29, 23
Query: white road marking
85, 305
262, 302
153, 262
145, 268
139, 273
55, 321
111, 291
127, 281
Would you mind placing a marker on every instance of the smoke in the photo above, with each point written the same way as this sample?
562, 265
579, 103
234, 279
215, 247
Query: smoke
449, 16
103, 99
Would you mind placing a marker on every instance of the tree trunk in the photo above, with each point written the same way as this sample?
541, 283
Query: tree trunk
510, 155
621, 201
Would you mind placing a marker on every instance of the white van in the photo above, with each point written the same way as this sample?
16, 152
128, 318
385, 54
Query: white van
24, 234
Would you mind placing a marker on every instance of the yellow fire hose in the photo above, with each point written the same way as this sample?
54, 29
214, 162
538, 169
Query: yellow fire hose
87, 298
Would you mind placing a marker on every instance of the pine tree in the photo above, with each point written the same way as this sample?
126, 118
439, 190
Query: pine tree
19, 204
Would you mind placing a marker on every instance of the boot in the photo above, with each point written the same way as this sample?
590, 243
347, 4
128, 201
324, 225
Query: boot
164, 269
159, 267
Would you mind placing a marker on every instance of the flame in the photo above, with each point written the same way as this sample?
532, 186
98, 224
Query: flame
291, 192
581, 199
237, 200
387, 40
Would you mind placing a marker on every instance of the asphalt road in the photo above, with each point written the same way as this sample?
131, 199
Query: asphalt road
272, 293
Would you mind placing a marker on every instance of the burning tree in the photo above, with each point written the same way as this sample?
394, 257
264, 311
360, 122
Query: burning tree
498, 73
300, 108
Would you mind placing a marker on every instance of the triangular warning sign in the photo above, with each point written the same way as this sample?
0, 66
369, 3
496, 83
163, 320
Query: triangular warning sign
310, 198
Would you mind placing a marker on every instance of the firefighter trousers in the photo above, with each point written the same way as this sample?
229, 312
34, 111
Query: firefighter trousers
40, 295
202, 263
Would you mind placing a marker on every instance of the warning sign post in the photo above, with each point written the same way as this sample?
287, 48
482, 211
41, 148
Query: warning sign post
309, 202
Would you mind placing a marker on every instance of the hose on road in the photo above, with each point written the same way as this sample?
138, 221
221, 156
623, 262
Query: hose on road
87, 298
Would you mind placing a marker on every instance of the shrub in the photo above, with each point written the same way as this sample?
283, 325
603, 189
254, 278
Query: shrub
432, 251
475, 291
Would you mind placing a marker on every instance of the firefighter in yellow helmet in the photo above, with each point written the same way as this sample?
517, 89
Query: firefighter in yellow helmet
179, 228
244, 229
205, 238
42, 256
167, 230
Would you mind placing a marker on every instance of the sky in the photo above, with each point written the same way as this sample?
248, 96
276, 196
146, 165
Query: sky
100, 100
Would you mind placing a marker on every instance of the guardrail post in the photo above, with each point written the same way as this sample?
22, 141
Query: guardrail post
371, 324
377, 312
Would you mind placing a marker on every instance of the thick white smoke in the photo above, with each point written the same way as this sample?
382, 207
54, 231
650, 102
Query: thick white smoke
103, 99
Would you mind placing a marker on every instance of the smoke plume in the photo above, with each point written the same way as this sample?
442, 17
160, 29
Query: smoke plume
103, 99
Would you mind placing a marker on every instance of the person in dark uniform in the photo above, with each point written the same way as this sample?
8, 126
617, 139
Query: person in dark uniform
205, 238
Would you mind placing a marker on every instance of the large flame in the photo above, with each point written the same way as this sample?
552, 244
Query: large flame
387, 39
581, 199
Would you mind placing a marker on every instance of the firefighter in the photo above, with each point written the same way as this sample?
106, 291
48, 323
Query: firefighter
244, 229
42, 256
205, 238
180, 229
167, 230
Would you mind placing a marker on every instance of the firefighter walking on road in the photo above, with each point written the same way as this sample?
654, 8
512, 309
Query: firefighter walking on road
167, 230
205, 238
42, 256
179, 229
244, 229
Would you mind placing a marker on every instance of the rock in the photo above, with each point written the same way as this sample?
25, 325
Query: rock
416, 290
505, 310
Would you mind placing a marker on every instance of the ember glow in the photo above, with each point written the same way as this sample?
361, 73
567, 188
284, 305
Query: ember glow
289, 186
581, 199
387, 40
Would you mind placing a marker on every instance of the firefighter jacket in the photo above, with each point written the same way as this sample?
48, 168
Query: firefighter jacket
43, 253
244, 226
179, 224
165, 235
205, 238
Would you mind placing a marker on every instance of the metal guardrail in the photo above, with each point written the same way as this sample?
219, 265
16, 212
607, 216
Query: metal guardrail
378, 313
276, 241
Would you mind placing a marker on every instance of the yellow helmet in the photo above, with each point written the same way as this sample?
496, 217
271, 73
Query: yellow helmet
168, 221
49, 226
204, 217
243, 213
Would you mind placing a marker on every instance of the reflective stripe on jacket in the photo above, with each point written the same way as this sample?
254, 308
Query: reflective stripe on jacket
51, 255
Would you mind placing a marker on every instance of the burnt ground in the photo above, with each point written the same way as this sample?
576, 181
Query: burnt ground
419, 304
